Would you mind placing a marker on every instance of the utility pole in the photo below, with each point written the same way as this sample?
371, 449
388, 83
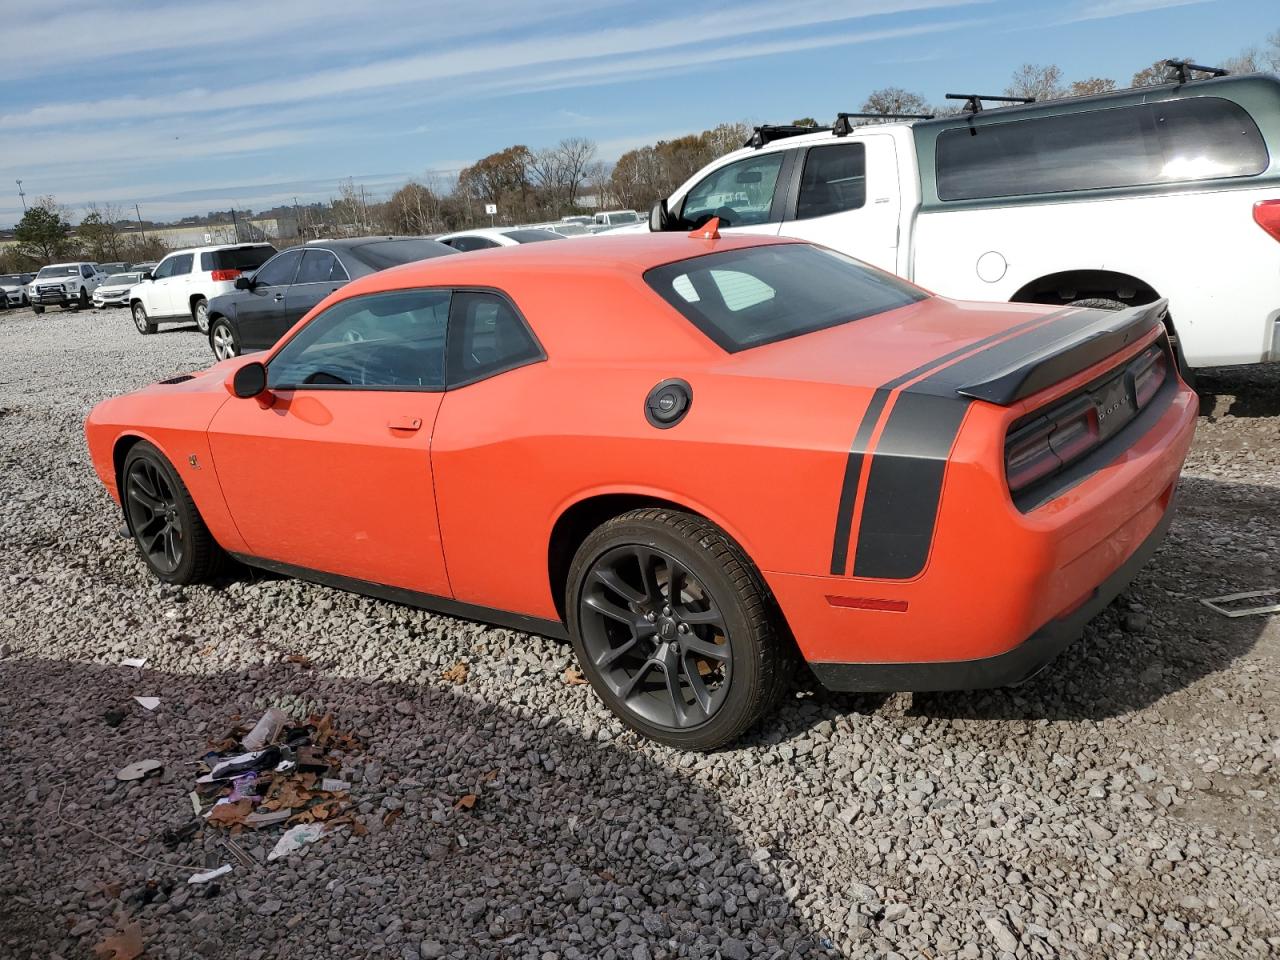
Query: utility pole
365, 205
23, 196
235, 223
297, 215
140, 226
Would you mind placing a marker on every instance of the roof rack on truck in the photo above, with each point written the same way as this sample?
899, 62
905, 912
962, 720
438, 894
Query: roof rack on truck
973, 101
842, 127
769, 133
1183, 71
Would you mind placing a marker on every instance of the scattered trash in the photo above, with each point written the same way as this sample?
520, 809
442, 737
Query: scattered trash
573, 677
210, 874
227, 812
331, 785
265, 730
148, 703
195, 802
295, 838
245, 762
266, 818
1219, 604
136, 771
138, 662
455, 674
465, 802
234, 849
175, 836
125, 945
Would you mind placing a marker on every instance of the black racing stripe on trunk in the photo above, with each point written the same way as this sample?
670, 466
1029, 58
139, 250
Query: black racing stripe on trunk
905, 486
852, 476
862, 439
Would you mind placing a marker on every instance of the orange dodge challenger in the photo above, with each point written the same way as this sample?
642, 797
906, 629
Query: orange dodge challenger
693, 456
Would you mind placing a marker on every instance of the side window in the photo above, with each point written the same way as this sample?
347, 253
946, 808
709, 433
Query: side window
279, 270
319, 266
381, 341
86, 271
471, 243
206, 262
834, 180
740, 194
486, 336
165, 269
181, 265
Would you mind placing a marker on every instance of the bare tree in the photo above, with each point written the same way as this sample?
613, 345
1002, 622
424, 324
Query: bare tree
1090, 86
894, 100
1249, 60
1033, 80
1155, 74
575, 155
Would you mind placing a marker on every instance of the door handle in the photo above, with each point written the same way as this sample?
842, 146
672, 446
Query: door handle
278, 296
404, 423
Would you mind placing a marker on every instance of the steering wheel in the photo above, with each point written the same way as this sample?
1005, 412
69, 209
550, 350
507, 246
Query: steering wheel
726, 215
352, 336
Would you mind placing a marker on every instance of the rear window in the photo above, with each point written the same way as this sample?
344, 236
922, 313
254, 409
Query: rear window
1201, 138
532, 236
746, 298
391, 253
237, 258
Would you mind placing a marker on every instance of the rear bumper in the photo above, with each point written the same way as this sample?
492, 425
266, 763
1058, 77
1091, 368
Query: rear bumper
1006, 669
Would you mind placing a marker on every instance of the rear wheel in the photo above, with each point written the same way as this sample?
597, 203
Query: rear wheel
141, 320
166, 526
200, 313
36, 308
82, 303
672, 625
223, 339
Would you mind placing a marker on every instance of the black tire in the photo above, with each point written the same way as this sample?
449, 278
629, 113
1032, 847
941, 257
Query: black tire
223, 339
167, 529
1187, 373
82, 302
722, 606
200, 314
144, 323
36, 308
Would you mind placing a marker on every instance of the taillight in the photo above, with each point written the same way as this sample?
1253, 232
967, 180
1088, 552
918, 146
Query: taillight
1266, 213
225, 274
1148, 376
1028, 456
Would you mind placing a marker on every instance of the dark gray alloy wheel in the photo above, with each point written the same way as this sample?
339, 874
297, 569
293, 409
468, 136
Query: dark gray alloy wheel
141, 320
171, 536
200, 313
671, 625
223, 340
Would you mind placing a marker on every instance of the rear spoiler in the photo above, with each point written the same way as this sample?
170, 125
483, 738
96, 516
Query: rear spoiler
1088, 335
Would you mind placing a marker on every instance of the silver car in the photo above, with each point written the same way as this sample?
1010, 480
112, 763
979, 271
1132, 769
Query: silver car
114, 291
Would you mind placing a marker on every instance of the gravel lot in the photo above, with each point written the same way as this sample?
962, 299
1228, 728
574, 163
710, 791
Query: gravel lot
1122, 804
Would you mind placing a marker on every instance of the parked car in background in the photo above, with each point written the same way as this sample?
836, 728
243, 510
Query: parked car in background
180, 287
145, 267
587, 443
118, 266
64, 285
265, 304
13, 289
1067, 201
114, 290
489, 237
615, 218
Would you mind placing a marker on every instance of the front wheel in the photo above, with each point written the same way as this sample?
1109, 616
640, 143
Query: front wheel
673, 626
36, 308
82, 302
166, 526
141, 320
223, 340
200, 313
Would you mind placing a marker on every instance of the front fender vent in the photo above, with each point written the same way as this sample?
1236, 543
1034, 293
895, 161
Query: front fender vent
181, 378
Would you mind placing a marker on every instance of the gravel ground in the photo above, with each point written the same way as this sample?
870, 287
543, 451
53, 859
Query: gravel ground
1123, 804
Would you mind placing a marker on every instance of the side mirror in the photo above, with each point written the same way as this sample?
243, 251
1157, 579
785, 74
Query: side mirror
147, 276
659, 217
249, 381
243, 282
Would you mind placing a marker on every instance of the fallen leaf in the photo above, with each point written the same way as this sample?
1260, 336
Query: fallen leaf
465, 802
125, 945
299, 659
324, 730
490, 776
455, 674
573, 677
358, 829
229, 813
391, 817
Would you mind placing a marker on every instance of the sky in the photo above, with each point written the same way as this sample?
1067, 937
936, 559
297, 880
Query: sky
185, 106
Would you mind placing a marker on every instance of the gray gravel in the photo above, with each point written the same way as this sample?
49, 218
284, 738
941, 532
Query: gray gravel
1123, 804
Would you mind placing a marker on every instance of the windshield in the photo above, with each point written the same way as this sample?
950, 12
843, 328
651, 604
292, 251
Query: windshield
758, 295
532, 236
71, 270
9, 279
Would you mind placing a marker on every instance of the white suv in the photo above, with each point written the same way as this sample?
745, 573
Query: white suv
64, 285
180, 287
1170, 191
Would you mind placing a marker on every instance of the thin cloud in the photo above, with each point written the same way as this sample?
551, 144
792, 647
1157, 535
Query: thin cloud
1122, 8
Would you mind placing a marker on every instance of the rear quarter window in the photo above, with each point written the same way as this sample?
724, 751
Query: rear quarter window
239, 258
1174, 141
747, 298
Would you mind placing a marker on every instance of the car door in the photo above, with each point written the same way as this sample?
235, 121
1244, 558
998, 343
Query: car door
157, 291
319, 274
743, 194
260, 311
173, 288
848, 197
330, 469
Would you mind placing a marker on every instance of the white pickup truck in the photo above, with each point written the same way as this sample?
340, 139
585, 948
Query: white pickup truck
1166, 191
64, 285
